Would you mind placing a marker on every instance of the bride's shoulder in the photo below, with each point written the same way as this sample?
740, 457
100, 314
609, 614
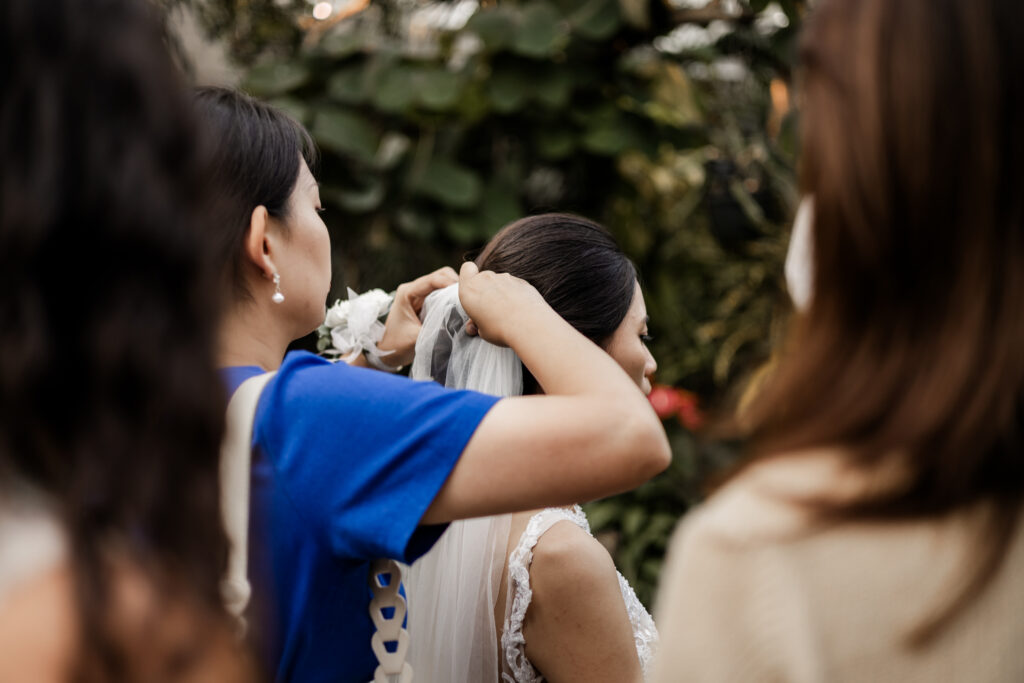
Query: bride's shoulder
574, 581
569, 563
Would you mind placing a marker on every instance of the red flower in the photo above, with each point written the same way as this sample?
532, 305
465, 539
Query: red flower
664, 400
671, 402
690, 415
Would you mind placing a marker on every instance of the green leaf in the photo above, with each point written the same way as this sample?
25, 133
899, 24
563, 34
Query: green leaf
292, 106
449, 184
542, 31
673, 99
463, 228
612, 136
415, 223
597, 20
554, 87
650, 569
508, 88
395, 89
603, 140
357, 200
341, 45
474, 104
277, 78
499, 206
604, 513
438, 89
590, 116
555, 142
495, 27
346, 133
348, 85
633, 520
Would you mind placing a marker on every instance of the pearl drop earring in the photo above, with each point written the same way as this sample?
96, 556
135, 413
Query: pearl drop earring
278, 296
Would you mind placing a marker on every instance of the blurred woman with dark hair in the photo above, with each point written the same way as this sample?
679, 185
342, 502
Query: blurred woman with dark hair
876, 536
110, 548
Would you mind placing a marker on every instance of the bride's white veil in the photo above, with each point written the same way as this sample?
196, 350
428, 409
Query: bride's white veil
452, 590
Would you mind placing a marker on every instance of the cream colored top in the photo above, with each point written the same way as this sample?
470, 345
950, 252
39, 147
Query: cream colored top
745, 596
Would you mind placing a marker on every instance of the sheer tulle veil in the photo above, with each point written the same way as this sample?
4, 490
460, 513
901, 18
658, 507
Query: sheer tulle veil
452, 590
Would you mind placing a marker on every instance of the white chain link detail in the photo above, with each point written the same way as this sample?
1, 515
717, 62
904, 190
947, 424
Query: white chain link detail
392, 667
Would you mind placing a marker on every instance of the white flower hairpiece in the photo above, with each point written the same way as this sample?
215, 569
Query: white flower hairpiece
354, 326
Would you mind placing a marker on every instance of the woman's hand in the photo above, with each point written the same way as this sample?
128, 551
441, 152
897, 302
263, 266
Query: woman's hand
496, 302
403, 323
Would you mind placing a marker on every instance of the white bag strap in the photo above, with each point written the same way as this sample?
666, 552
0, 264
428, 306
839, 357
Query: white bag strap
235, 466
392, 667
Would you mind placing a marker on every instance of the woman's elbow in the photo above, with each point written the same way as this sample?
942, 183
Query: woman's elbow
647, 444
656, 447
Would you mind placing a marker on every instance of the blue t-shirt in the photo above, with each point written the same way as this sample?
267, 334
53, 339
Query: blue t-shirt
345, 463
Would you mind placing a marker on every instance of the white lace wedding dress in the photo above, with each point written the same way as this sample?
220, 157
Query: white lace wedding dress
516, 668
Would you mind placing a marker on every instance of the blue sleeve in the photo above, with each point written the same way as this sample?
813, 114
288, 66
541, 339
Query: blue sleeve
362, 454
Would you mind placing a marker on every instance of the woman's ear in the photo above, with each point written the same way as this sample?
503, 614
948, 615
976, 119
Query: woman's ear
257, 243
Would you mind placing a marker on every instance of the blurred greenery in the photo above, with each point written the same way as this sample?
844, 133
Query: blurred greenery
670, 123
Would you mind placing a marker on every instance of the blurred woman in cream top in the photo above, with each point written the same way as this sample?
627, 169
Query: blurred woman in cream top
875, 533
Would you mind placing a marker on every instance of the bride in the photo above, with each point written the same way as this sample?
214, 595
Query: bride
532, 596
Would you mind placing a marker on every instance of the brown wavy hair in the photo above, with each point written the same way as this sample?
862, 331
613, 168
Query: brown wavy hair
913, 140
111, 403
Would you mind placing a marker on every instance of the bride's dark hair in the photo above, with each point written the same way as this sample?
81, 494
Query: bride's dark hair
574, 263
111, 403
576, 266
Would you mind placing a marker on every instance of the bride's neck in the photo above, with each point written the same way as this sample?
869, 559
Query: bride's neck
250, 335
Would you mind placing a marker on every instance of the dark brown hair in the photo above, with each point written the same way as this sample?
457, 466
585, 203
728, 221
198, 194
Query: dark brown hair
913, 135
574, 263
254, 156
110, 399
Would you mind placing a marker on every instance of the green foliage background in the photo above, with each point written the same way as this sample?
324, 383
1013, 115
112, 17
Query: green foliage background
669, 124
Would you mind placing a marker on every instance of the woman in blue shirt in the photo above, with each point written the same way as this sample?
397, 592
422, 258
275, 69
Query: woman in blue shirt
351, 464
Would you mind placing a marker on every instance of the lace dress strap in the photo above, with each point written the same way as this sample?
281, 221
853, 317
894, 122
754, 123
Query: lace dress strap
517, 668
645, 633
513, 644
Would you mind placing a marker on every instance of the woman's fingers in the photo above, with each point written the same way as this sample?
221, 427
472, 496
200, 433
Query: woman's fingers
416, 292
403, 323
496, 303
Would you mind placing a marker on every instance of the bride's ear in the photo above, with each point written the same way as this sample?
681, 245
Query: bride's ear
257, 247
